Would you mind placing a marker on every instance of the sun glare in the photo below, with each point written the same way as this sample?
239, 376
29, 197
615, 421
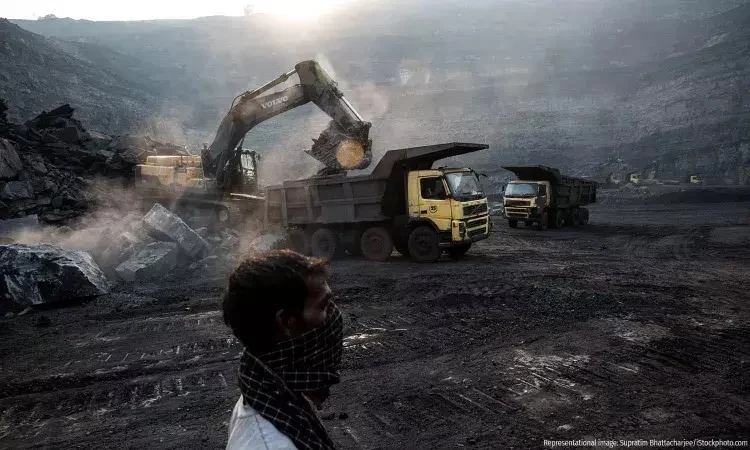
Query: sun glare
298, 10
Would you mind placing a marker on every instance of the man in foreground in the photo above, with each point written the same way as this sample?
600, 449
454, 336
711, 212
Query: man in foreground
279, 305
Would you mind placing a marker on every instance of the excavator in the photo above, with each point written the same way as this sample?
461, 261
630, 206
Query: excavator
220, 187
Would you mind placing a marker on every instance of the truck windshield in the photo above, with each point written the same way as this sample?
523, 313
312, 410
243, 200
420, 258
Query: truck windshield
520, 190
464, 185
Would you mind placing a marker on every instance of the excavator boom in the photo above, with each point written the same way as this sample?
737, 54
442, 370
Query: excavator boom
344, 145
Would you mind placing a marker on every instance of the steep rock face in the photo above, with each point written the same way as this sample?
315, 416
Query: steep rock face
44, 274
35, 74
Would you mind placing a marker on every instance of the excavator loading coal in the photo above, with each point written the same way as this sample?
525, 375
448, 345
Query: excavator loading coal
223, 181
404, 204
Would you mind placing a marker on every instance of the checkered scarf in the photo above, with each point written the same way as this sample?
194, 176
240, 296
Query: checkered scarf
273, 383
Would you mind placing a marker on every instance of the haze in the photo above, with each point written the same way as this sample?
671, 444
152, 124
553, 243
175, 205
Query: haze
167, 9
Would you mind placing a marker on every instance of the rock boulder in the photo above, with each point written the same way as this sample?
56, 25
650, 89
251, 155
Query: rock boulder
46, 274
164, 225
10, 163
155, 260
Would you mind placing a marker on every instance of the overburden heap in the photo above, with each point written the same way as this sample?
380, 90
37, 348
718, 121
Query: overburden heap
47, 164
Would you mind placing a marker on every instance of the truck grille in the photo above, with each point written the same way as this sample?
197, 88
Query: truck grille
517, 213
517, 202
476, 223
475, 209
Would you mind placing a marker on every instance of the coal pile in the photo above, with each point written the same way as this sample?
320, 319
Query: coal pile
47, 164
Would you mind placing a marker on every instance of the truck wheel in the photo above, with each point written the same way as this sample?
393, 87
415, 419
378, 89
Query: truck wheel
512, 223
576, 217
299, 241
423, 245
584, 216
559, 218
459, 251
376, 244
542, 224
324, 243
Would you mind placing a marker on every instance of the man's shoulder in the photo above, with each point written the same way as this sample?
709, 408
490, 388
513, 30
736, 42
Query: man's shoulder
249, 430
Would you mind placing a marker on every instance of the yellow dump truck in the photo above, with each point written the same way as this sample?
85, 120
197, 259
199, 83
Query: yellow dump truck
544, 196
404, 204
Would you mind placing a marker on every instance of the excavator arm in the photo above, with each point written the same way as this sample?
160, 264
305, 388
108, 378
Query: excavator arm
344, 145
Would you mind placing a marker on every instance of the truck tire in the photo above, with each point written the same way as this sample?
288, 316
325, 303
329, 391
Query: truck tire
512, 223
376, 244
423, 245
559, 218
299, 241
324, 243
542, 224
459, 251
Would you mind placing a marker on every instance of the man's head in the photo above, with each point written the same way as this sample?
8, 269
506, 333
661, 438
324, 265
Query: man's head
276, 296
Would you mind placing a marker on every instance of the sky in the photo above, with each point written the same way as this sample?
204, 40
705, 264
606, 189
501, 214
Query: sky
163, 9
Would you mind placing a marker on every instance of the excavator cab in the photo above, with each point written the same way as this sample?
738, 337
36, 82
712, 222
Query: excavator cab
245, 176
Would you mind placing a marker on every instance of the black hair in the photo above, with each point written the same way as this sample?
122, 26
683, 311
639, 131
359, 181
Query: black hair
262, 286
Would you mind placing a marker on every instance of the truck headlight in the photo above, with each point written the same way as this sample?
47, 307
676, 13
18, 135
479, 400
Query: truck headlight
462, 228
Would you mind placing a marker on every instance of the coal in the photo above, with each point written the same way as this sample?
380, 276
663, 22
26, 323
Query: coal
52, 152
17, 190
45, 274
10, 163
153, 261
164, 225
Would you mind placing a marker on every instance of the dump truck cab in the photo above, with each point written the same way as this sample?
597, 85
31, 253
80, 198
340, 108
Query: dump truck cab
452, 201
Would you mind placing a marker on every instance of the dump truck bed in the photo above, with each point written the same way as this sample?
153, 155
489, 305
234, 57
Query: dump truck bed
363, 198
566, 191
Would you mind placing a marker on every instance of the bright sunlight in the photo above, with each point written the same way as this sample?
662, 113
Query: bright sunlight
300, 10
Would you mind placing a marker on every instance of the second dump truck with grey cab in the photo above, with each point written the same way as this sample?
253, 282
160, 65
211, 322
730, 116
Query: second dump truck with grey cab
543, 196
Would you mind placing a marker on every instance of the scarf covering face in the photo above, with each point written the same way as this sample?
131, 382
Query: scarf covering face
273, 383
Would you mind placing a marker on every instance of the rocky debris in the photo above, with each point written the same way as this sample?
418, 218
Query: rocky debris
163, 224
17, 190
10, 163
47, 163
153, 261
47, 274
121, 247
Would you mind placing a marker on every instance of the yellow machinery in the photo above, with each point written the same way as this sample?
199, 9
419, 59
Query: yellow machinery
174, 170
403, 204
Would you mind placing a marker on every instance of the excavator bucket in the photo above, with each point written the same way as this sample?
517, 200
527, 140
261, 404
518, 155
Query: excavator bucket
339, 149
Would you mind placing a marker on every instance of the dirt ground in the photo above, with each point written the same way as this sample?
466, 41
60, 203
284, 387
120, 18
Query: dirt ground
634, 327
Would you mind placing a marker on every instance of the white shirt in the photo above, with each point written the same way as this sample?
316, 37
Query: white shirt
248, 430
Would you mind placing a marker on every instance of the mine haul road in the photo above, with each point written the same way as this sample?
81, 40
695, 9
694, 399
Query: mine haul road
634, 327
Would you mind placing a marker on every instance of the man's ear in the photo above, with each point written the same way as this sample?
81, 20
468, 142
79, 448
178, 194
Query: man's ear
286, 323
